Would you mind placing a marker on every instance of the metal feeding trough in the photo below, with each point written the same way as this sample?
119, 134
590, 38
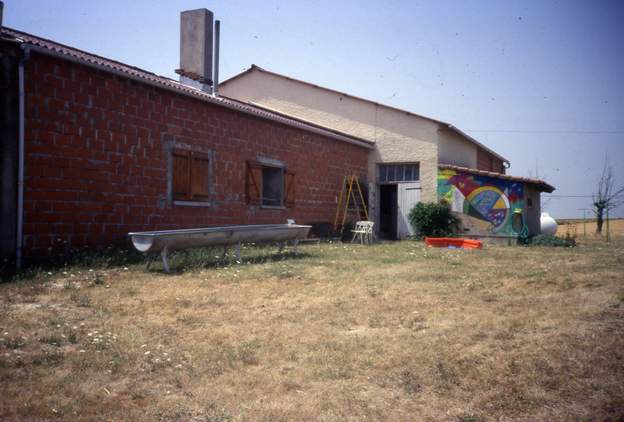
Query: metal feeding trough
165, 241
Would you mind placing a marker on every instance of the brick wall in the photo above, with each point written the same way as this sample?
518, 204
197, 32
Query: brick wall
489, 162
96, 159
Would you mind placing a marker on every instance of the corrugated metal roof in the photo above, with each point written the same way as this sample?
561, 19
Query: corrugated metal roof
89, 59
540, 184
440, 122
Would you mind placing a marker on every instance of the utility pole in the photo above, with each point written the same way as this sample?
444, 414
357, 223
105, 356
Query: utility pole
584, 221
608, 234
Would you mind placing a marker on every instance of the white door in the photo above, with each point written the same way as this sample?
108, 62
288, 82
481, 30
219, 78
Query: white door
408, 196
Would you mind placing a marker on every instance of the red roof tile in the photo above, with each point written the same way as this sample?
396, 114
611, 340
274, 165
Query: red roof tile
63, 51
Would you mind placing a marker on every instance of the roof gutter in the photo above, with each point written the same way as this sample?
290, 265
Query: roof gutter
544, 187
189, 91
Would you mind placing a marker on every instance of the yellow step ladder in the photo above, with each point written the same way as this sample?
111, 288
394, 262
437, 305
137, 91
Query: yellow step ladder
351, 201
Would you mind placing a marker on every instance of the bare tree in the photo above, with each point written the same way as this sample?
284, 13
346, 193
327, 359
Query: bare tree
607, 197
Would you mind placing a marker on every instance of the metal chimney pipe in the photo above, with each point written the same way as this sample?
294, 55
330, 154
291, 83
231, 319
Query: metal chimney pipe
215, 78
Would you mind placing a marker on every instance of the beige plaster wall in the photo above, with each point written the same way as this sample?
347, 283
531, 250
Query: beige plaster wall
399, 137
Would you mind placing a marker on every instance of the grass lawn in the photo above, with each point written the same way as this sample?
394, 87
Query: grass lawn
395, 332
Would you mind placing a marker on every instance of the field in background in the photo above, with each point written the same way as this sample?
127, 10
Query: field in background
616, 227
395, 331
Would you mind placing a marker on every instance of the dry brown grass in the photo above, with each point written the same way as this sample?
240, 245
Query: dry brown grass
588, 228
389, 332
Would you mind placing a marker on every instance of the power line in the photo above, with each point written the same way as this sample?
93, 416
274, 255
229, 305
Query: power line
568, 196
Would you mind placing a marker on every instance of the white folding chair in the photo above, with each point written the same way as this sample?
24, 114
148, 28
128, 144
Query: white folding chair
364, 232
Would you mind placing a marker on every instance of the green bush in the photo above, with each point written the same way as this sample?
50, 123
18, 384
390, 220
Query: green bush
550, 240
433, 219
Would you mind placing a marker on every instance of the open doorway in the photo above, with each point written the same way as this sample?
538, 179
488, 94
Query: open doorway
388, 211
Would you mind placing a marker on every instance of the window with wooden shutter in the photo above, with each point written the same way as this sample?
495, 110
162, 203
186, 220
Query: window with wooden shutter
181, 174
190, 176
200, 176
253, 182
289, 188
269, 184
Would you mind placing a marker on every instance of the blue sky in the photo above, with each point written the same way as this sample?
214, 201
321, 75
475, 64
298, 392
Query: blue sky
540, 82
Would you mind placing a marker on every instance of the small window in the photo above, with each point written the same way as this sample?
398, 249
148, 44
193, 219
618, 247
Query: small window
190, 176
272, 186
269, 185
529, 202
398, 173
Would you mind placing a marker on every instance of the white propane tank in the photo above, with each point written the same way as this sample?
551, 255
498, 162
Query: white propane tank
548, 224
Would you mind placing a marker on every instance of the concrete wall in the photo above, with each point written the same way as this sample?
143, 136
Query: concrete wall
489, 162
97, 150
455, 149
400, 137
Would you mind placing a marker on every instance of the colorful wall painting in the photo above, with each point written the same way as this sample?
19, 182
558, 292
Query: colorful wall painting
489, 200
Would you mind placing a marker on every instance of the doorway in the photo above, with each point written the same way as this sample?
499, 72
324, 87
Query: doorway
408, 197
388, 211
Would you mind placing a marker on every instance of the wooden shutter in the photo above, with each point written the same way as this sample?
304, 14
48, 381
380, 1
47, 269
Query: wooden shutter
253, 182
200, 165
181, 175
289, 188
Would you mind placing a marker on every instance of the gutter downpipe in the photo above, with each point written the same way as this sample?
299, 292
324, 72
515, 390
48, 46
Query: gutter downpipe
20, 160
215, 69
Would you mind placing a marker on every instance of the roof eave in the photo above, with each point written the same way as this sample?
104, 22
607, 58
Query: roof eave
541, 185
151, 79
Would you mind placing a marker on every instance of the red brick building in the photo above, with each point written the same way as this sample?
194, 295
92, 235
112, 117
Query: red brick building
109, 148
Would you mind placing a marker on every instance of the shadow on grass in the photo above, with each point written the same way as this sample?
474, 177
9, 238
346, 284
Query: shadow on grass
205, 258
110, 257
179, 261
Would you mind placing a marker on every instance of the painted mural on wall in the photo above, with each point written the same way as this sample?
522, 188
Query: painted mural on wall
488, 201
